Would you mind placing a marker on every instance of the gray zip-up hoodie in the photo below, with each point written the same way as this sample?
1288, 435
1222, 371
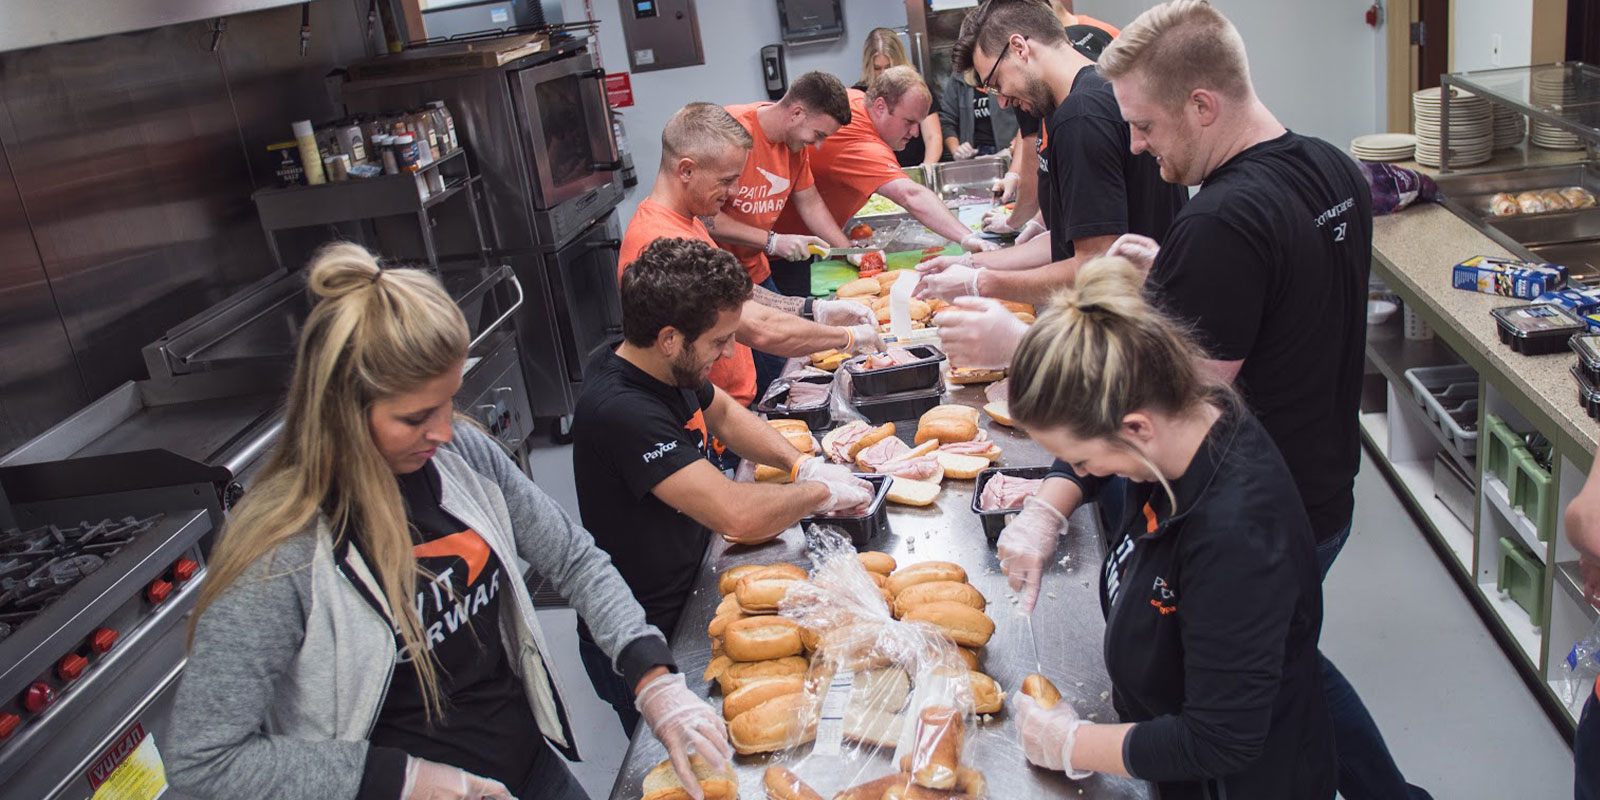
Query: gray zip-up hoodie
290, 665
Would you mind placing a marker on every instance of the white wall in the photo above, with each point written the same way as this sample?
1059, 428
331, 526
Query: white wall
732, 33
1312, 61
1475, 24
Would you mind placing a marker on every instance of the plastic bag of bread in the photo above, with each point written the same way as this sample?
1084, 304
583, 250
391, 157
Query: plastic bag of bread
889, 702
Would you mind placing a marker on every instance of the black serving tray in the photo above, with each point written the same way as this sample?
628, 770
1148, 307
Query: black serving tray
995, 521
863, 529
919, 375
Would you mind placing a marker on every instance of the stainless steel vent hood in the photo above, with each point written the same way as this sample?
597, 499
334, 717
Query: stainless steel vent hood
34, 23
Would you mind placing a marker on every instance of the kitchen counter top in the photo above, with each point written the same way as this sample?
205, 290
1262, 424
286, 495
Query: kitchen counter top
1068, 624
1414, 251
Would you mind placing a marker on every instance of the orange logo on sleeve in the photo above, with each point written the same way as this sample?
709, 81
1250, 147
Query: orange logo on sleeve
466, 545
697, 424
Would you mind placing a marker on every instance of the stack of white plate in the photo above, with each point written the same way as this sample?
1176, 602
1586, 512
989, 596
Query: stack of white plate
1550, 90
1384, 147
1471, 127
1509, 128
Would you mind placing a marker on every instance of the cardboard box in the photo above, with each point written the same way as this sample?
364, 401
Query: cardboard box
1581, 302
1506, 277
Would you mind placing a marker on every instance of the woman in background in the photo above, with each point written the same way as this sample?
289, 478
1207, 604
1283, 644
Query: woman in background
882, 51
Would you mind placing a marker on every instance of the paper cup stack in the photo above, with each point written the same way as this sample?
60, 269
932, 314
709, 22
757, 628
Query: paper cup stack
1509, 128
1471, 127
1384, 147
1550, 90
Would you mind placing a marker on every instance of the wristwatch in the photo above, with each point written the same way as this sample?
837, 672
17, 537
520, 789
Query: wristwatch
772, 239
808, 309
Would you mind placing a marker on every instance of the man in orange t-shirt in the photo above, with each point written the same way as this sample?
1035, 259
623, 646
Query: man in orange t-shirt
777, 175
858, 161
703, 152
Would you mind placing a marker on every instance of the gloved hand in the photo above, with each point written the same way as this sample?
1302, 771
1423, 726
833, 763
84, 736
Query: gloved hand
865, 338
842, 313
1047, 736
1026, 546
1141, 250
997, 220
846, 492
975, 243
950, 282
792, 246
980, 333
963, 151
430, 780
1006, 187
684, 723
941, 263
1031, 231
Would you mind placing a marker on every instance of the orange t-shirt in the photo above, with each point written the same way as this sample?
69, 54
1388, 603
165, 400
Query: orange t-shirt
735, 374
1085, 19
771, 174
848, 167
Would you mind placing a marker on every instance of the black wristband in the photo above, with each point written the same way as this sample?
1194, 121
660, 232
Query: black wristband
808, 309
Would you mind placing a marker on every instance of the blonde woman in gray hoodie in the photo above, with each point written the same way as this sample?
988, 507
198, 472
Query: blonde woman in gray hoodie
365, 631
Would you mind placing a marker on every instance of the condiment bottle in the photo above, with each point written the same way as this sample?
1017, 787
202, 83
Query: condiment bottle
310, 159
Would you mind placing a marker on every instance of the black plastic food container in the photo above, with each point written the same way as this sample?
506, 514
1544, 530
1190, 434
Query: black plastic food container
905, 405
995, 521
1537, 329
863, 529
817, 418
922, 374
1588, 394
1587, 346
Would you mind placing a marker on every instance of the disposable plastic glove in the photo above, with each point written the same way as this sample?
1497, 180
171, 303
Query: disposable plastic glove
975, 243
865, 338
963, 151
980, 333
1006, 187
1026, 546
846, 492
1047, 736
430, 780
842, 313
1031, 231
941, 263
684, 724
792, 246
949, 282
1141, 250
997, 220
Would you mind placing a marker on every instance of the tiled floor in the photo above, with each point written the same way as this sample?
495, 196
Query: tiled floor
1457, 718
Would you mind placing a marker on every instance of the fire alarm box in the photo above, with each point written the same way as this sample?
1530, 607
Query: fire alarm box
810, 20
661, 34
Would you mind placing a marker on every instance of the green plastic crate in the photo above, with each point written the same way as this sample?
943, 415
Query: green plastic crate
1522, 577
1498, 446
1534, 493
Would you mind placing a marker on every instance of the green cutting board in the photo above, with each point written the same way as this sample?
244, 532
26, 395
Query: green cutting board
828, 276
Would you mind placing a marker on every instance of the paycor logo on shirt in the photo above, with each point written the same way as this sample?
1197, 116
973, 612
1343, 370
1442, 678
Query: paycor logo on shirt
662, 448
768, 199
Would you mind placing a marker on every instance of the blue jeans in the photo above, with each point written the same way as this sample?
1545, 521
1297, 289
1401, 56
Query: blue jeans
1586, 752
608, 684
768, 366
1366, 770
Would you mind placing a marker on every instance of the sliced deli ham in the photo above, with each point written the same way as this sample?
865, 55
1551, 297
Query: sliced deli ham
976, 447
1004, 492
880, 453
920, 468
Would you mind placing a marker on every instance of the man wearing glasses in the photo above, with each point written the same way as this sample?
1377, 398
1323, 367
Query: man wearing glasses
1092, 188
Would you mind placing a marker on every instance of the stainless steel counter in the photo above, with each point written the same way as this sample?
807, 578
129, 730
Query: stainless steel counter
1067, 620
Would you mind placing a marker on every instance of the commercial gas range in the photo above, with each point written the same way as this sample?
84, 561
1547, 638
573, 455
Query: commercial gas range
100, 561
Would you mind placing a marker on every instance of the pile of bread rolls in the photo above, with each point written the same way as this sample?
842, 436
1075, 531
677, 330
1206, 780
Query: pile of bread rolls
946, 433
873, 293
937, 593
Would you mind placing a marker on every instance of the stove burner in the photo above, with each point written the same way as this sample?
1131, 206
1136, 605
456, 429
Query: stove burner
39, 565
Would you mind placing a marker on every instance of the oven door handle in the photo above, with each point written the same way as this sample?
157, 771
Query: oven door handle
597, 72
606, 166
493, 326
606, 244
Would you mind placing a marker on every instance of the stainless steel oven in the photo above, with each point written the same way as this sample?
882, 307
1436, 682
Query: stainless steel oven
540, 134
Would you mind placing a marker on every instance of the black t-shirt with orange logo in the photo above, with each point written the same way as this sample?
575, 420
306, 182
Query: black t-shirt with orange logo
487, 727
630, 432
1212, 619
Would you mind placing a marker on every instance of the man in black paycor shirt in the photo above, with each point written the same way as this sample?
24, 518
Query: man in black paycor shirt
1268, 262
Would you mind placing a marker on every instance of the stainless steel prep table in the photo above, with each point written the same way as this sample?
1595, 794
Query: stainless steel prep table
1067, 620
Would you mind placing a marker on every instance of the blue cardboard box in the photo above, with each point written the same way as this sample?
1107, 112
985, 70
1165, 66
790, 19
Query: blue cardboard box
1506, 277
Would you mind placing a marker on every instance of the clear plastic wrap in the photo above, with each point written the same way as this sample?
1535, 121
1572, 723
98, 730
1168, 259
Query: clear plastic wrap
887, 702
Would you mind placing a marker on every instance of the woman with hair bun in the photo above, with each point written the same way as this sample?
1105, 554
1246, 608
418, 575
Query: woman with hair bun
364, 630
1209, 586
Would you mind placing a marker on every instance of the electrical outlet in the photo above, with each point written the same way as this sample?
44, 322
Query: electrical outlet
1494, 49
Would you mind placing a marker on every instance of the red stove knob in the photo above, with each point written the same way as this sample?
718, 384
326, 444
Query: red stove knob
158, 591
184, 569
71, 666
101, 641
38, 697
8, 725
